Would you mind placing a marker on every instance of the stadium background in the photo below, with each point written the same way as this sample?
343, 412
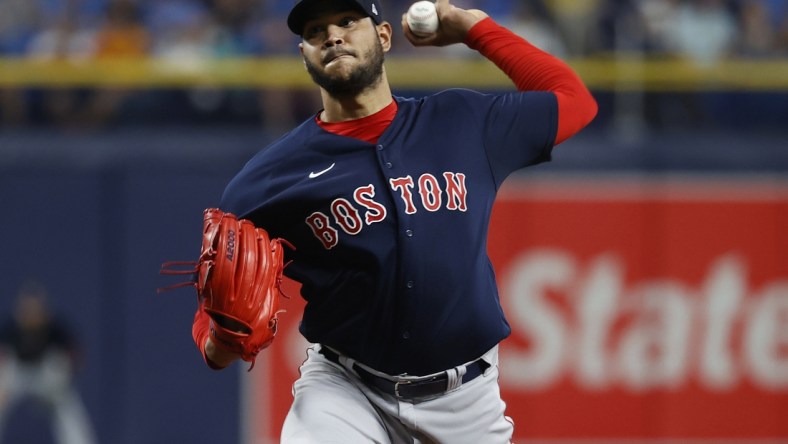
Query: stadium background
662, 224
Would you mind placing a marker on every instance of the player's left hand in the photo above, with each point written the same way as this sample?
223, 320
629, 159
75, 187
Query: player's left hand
453, 25
238, 278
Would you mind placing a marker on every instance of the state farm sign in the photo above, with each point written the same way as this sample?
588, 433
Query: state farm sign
649, 335
644, 310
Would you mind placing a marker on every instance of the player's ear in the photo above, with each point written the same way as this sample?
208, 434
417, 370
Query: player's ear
384, 34
303, 58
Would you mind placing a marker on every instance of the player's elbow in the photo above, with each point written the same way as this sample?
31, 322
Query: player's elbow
589, 110
582, 106
575, 112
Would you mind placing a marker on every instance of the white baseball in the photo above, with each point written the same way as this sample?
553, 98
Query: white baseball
422, 18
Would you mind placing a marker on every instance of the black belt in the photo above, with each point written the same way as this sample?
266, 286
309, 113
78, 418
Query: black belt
411, 388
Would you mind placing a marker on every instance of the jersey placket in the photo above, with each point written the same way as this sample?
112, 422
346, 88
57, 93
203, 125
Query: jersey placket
405, 285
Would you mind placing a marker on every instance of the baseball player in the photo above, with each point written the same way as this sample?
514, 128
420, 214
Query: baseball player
387, 201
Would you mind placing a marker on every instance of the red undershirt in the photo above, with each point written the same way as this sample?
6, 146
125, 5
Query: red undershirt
368, 129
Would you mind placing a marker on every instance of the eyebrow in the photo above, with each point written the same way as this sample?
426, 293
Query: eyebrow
332, 10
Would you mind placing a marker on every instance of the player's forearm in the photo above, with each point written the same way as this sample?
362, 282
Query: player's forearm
532, 69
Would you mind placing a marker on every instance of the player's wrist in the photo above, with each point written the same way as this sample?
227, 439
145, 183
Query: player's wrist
218, 355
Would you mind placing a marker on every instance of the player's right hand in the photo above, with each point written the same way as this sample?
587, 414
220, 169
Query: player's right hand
453, 27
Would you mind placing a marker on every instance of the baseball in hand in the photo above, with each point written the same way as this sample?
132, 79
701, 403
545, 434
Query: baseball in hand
422, 18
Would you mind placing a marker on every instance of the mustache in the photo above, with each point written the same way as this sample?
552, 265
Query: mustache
334, 53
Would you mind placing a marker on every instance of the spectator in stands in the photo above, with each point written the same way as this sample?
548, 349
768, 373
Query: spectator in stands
65, 40
782, 37
277, 38
282, 108
658, 18
236, 33
236, 29
42, 30
117, 33
19, 20
778, 14
704, 31
182, 37
121, 34
532, 20
38, 358
757, 33
62, 40
575, 20
618, 27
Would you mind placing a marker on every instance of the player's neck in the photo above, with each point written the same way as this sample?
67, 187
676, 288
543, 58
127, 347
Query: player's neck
350, 108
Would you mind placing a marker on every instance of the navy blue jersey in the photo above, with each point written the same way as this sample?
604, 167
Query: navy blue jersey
391, 239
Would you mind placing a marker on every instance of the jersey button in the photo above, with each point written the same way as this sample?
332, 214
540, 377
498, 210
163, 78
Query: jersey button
409, 284
380, 147
406, 335
409, 233
389, 165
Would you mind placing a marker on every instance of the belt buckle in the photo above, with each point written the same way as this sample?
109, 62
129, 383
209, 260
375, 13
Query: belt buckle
397, 384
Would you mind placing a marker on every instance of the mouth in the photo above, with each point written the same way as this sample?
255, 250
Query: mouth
334, 57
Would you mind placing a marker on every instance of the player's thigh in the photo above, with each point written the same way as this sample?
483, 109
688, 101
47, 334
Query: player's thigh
473, 414
329, 408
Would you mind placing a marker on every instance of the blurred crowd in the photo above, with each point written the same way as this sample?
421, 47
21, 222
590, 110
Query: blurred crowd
704, 31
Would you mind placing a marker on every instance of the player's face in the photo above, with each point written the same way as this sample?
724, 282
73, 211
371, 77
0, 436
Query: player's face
343, 52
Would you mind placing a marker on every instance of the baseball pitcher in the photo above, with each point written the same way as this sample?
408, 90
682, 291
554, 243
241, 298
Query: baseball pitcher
386, 201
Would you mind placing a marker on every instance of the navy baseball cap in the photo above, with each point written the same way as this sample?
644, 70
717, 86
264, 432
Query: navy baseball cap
305, 10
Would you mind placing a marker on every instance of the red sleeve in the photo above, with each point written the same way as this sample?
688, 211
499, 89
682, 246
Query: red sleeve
532, 69
200, 331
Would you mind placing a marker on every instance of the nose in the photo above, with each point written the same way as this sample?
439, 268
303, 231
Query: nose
334, 35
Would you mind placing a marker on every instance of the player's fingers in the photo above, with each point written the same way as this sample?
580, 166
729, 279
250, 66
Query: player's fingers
442, 6
405, 28
414, 39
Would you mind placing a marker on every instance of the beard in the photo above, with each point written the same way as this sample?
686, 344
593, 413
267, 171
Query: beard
363, 77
